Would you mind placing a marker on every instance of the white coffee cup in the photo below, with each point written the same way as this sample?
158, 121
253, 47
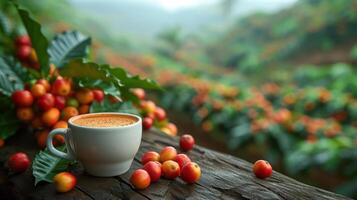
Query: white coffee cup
103, 151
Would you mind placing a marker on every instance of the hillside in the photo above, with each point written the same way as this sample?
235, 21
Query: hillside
310, 26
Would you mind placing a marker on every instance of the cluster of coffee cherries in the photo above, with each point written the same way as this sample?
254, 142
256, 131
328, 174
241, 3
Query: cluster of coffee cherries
48, 105
167, 164
25, 53
153, 115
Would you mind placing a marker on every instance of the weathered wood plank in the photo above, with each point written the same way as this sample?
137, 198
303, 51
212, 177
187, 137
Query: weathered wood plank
223, 177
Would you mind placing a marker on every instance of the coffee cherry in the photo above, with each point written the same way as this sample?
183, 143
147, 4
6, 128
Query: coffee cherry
140, 179
61, 124
150, 156
50, 117
61, 87
59, 139
191, 172
41, 137
154, 170
33, 60
262, 169
182, 159
25, 114
167, 131
172, 127
45, 83
168, 153
83, 109
147, 123
140, 93
85, 96
60, 102
46, 101
38, 90
98, 95
160, 114
69, 112
23, 40
23, 53
22, 98
187, 142
64, 181
2, 143
147, 106
19, 162
170, 169
36, 123
72, 102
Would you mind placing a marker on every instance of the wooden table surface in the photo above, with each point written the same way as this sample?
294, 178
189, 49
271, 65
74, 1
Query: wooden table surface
223, 177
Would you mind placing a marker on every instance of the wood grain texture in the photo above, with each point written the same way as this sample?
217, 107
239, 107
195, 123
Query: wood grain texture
223, 177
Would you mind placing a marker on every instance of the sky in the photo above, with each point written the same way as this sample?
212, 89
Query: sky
172, 5
176, 5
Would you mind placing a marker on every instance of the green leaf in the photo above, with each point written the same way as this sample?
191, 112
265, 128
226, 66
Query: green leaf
354, 51
10, 80
39, 41
8, 120
5, 26
239, 135
284, 140
87, 70
297, 161
134, 81
109, 89
45, 165
127, 95
11, 75
348, 188
107, 106
68, 45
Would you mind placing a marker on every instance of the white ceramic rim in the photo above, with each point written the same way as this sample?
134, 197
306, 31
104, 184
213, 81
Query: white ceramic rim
70, 121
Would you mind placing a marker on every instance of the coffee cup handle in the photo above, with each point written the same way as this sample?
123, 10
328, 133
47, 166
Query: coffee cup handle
65, 133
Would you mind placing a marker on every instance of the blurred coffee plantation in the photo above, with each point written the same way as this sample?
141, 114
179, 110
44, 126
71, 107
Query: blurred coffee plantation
278, 84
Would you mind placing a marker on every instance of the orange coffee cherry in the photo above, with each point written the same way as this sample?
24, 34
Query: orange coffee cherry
38, 90
85, 96
69, 112
41, 137
25, 114
64, 181
50, 117
45, 83
83, 109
